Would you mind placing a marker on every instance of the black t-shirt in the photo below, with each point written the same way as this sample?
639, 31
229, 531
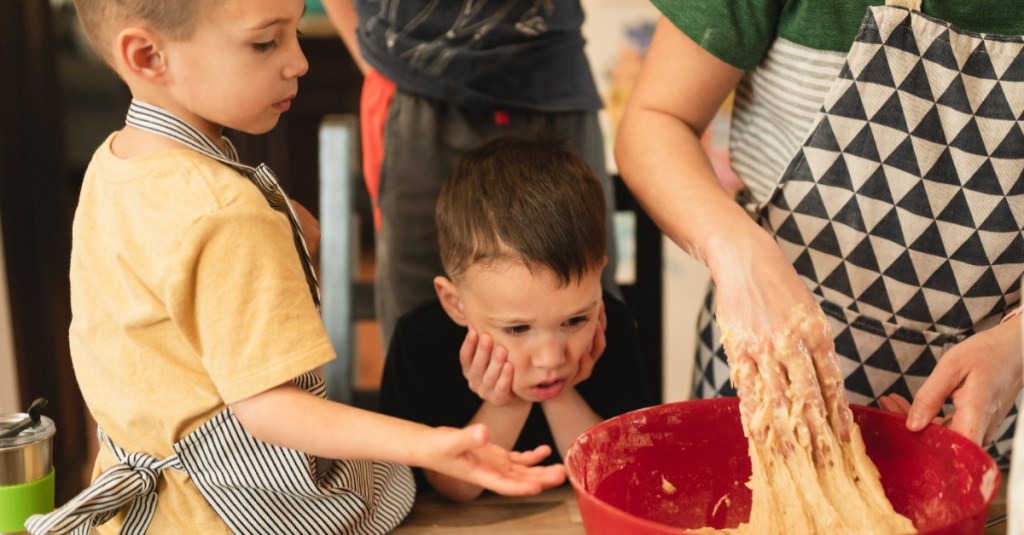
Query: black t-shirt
520, 54
423, 379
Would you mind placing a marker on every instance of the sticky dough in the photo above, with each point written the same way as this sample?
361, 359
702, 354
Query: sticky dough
811, 473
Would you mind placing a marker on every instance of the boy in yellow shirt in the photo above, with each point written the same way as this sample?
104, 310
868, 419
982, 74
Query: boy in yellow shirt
195, 334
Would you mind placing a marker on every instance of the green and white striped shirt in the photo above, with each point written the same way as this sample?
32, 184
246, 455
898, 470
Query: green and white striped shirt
792, 51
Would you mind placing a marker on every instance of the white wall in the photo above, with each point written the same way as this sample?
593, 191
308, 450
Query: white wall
684, 279
8, 378
684, 282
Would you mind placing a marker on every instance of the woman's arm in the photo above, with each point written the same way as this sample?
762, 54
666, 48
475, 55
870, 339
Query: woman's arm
345, 20
679, 91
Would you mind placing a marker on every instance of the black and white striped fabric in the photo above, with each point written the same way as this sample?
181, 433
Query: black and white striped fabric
161, 122
903, 210
255, 488
131, 483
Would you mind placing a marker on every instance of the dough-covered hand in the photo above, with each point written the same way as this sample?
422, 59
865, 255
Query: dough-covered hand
778, 341
310, 230
982, 375
599, 344
487, 369
467, 455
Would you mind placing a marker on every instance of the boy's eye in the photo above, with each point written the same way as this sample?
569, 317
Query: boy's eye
264, 47
517, 329
576, 322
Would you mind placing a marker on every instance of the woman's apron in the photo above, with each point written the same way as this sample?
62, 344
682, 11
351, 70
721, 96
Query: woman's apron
903, 209
253, 486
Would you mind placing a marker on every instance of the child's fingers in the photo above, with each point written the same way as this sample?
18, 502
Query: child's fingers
517, 480
503, 386
532, 457
481, 359
495, 368
482, 356
468, 349
900, 403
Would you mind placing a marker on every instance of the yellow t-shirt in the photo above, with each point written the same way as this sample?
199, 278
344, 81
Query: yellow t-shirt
187, 294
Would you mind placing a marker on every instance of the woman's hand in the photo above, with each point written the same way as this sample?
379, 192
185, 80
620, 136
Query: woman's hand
982, 375
778, 340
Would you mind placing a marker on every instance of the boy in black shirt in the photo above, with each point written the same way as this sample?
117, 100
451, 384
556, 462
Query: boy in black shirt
522, 337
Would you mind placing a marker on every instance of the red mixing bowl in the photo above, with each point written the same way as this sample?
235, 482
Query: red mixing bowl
668, 468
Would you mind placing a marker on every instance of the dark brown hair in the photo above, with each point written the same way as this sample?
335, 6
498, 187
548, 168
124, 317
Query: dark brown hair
532, 200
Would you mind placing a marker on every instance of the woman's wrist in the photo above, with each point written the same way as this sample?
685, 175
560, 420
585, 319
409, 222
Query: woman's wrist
733, 247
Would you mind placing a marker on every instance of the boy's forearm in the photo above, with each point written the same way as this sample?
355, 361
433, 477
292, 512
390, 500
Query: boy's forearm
568, 416
290, 417
504, 422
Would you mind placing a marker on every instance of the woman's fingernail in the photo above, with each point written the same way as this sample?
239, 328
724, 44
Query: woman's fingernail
915, 422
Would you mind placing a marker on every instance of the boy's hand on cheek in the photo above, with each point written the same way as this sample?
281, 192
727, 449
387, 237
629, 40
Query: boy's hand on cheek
487, 369
600, 343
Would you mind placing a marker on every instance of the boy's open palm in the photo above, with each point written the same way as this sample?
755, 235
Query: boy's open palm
466, 454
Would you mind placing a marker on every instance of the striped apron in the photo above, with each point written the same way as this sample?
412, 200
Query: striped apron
903, 209
253, 486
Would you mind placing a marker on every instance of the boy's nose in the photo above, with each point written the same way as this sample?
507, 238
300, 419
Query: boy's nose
550, 354
298, 66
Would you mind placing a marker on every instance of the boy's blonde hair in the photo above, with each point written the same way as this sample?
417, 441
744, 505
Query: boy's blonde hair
532, 200
102, 19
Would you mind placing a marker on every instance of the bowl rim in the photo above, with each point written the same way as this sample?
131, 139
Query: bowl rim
574, 451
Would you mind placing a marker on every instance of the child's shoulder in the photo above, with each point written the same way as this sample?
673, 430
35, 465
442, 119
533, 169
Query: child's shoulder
176, 175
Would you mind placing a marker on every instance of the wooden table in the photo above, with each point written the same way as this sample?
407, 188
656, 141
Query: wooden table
551, 513
998, 507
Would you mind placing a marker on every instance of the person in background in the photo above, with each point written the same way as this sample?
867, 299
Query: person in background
520, 318
882, 157
196, 333
441, 78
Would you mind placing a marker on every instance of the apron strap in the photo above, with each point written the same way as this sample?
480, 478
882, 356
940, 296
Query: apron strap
156, 120
913, 5
131, 482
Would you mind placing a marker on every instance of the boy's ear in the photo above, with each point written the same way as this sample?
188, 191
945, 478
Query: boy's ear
448, 294
140, 53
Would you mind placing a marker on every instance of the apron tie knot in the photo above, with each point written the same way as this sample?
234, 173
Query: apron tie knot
132, 482
145, 470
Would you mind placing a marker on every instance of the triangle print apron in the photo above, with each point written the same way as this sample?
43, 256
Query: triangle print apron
253, 486
903, 209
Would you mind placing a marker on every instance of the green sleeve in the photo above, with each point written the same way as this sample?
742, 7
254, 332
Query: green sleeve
738, 32
741, 31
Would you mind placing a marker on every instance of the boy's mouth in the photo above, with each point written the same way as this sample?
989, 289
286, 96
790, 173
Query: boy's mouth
549, 389
283, 105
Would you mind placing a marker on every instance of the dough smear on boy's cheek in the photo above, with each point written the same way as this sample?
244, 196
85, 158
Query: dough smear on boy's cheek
810, 470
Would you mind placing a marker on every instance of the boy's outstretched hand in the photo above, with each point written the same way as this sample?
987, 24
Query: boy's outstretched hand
467, 455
